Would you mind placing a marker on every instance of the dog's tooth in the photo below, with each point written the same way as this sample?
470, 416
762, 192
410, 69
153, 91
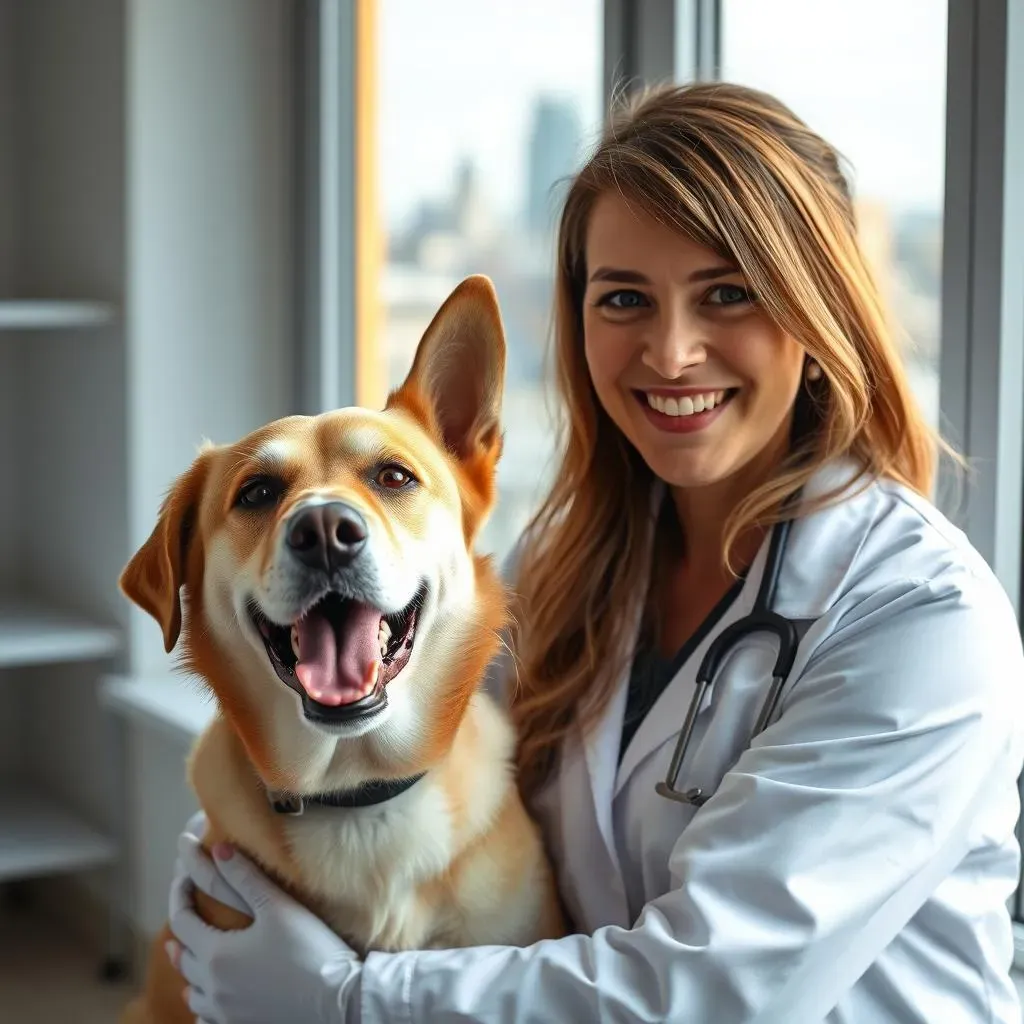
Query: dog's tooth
372, 675
295, 641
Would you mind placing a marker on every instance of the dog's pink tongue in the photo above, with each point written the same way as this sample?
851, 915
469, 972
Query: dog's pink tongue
336, 662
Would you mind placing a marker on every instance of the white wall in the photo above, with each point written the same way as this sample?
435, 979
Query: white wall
210, 277
210, 311
160, 806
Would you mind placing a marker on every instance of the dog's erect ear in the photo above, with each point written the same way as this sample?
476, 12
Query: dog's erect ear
155, 574
459, 371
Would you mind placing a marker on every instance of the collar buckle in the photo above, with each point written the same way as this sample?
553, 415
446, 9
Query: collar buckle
286, 803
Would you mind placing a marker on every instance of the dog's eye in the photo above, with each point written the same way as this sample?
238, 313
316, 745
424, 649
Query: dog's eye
394, 477
261, 492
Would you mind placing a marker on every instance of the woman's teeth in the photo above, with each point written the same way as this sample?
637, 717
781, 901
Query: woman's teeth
685, 405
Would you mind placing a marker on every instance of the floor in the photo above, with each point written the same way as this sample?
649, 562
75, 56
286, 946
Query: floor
47, 979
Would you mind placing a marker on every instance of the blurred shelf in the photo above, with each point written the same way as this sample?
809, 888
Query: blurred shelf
43, 314
38, 837
178, 707
33, 634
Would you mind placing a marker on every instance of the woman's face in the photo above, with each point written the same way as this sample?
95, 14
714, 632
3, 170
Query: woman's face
682, 357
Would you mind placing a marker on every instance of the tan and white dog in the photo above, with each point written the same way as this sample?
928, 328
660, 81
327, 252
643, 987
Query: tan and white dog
338, 613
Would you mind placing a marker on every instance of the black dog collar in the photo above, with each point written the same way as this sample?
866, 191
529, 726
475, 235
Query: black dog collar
369, 794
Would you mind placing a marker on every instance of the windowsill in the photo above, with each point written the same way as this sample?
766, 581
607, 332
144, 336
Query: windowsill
174, 705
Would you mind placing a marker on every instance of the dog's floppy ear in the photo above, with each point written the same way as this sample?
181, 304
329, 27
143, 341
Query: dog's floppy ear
155, 574
458, 373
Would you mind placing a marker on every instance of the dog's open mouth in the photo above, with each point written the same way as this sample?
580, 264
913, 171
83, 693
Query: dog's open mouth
340, 655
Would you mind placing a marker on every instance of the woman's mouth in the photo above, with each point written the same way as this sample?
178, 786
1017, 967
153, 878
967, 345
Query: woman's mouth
684, 412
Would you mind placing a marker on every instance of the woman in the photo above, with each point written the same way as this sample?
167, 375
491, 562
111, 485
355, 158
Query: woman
725, 364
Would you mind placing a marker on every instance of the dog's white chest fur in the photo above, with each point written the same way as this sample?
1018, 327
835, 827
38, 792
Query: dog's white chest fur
374, 863
452, 861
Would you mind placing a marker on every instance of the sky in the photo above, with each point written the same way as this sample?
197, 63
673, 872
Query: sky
457, 78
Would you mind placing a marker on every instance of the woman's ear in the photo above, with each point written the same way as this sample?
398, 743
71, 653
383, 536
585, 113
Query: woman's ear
154, 576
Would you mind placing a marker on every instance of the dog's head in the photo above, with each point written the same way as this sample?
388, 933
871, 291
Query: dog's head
327, 562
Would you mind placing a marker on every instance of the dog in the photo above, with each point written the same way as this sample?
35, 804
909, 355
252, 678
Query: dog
336, 609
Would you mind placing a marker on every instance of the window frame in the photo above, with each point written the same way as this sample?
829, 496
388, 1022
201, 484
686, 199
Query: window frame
338, 240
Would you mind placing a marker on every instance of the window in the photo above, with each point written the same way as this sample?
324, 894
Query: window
482, 111
871, 79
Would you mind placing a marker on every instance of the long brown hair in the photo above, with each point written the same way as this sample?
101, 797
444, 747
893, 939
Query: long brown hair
738, 172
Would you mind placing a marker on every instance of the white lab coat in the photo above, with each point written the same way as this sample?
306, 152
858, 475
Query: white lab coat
855, 860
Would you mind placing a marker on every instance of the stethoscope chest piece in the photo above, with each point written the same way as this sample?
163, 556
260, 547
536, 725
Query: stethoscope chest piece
693, 796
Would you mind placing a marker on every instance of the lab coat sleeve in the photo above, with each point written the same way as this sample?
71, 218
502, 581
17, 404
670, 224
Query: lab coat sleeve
831, 831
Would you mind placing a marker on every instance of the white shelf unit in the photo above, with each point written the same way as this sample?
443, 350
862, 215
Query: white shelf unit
38, 837
33, 634
53, 314
62, 430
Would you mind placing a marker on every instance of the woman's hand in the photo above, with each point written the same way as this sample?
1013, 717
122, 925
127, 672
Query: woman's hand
286, 966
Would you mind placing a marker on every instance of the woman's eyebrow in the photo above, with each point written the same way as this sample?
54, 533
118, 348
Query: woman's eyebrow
621, 276
710, 273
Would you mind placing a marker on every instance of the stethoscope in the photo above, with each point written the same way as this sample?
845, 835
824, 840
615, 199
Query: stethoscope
760, 620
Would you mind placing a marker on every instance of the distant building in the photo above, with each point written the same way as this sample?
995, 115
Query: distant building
552, 156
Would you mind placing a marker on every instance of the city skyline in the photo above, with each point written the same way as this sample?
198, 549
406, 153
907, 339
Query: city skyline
459, 79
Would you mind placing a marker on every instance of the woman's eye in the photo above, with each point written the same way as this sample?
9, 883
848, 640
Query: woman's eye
261, 492
623, 299
394, 478
728, 295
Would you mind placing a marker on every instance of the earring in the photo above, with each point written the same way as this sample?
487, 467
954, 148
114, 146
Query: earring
813, 371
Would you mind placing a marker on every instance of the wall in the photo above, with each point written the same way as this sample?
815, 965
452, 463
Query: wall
210, 311
160, 804
210, 277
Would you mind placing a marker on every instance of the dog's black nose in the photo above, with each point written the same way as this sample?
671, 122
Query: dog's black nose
327, 536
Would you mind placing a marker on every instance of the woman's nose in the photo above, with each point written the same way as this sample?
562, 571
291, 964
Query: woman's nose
674, 344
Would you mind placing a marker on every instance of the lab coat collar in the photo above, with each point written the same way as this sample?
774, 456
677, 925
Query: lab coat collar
600, 745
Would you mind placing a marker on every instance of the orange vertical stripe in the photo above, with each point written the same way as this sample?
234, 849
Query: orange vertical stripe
371, 383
